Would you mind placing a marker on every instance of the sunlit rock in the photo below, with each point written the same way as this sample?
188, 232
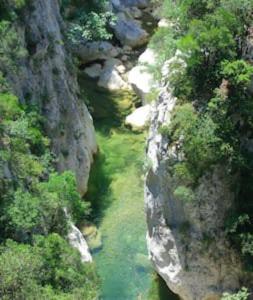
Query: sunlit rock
139, 119
110, 78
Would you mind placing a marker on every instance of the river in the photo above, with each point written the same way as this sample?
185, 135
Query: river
116, 193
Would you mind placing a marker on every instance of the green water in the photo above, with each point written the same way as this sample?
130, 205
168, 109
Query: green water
116, 194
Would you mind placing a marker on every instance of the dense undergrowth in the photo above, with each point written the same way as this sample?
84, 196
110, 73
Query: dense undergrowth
36, 260
212, 123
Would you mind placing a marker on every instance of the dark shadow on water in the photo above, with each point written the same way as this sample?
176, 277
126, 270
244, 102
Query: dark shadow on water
108, 110
160, 291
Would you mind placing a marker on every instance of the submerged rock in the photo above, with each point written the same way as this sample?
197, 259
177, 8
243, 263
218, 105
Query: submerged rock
92, 236
139, 119
142, 262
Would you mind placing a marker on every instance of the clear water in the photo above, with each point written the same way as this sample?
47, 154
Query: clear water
116, 194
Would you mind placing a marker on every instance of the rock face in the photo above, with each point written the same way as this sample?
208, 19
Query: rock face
47, 79
186, 241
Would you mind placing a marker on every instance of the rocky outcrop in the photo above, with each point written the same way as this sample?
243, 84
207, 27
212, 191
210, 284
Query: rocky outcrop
77, 241
186, 241
47, 79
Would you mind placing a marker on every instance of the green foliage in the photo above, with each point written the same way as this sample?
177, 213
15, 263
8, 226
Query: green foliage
20, 271
184, 193
90, 21
213, 121
92, 26
42, 211
184, 119
34, 200
11, 50
50, 269
238, 72
62, 267
243, 294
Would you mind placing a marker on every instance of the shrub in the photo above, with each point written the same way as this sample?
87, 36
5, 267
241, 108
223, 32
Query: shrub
184, 193
243, 294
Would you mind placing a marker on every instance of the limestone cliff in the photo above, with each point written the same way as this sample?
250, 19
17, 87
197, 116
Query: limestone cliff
47, 79
186, 241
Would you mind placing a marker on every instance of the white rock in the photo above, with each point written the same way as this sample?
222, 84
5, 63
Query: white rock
77, 241
147, 57
139, 119
121, 69
93, 71
163, 23
141, 80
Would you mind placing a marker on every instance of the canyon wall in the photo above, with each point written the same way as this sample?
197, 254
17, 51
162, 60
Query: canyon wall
186, 240
46, 78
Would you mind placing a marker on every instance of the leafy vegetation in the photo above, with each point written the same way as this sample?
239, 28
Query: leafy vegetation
33, 201
243, 294
212, 123
90, 21
36, 261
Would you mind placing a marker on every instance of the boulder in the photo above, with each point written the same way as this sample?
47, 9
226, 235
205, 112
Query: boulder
147, 57
129, 32
141, 81
93, 71
140, 78
110, 78
139, 119
163, 23
92, 51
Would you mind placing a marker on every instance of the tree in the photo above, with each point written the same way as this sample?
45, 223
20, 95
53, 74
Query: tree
20, 272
